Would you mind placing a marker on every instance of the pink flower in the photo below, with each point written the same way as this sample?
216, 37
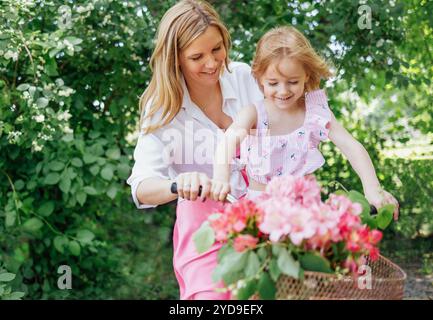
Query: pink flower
244, 242
302, 190
234, 218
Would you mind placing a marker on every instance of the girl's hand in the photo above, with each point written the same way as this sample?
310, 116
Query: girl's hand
379, 198
220, 189
188, 185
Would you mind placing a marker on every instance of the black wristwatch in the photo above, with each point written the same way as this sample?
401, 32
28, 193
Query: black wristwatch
173, 188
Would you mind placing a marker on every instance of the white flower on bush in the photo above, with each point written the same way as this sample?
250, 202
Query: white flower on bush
39, 118
11, 55
66, 92
36, 147
64, 116
14, 136
67, 130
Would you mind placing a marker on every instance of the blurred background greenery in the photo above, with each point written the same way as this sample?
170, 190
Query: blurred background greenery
71, 73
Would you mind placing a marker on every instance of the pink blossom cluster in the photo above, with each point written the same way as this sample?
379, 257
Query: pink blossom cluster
242, 216
293, 209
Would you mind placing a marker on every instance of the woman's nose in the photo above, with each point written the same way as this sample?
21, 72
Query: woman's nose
211, 62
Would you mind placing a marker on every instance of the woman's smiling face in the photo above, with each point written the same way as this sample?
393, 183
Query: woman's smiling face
284, 82
202, 60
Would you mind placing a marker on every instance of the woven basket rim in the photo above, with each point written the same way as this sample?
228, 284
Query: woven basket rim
394, 266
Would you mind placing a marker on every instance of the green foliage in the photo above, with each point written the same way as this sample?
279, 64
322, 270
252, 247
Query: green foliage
69, 87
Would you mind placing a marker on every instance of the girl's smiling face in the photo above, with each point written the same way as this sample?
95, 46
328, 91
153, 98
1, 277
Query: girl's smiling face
283, 82
202, 60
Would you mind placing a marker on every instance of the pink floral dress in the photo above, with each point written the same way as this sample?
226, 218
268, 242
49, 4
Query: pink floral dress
266, 156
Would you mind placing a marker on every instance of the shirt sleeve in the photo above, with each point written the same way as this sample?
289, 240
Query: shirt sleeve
149, 163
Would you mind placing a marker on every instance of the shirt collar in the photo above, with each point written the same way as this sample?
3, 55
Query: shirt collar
226, 89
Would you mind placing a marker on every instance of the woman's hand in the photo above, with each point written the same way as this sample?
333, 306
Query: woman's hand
220, 189
379, 198
188, 184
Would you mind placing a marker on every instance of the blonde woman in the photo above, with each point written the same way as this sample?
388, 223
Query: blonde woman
290, 122
191, 99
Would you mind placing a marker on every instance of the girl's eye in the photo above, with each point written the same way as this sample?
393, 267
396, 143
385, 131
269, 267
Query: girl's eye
196, 58
272, 84
294, 82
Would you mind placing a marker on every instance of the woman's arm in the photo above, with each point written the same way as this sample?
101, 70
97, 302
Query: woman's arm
155, 191
226, 149
362, 164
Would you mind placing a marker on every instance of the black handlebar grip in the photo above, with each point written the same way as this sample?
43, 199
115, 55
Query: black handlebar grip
173, 189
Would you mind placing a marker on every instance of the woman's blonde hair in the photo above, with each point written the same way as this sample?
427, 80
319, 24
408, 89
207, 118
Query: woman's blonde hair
179, 27
288, 42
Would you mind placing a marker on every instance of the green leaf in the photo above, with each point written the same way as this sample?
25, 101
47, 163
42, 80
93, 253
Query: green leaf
204, 238
10, 218
230, 269
77, 162
46, 208
274, 271
370, 221
107, 173
248, 290
74, 248
89, 158
32, 225
19, 184
356, 196
253, 264
94, 170
74, 40
69, 137
315, 262
81, 197
65, 185
276, 248
113, 153
42, 102
266, 287
85, 236
60, 242
262, 253
23, 87
17, 295
112, 191
384, 216
90, 190
224, 250
52, 178
287, 264
55, 165
123, 170
6, 277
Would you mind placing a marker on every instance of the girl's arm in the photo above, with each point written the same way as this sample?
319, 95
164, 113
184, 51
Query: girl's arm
361, 162
226, 149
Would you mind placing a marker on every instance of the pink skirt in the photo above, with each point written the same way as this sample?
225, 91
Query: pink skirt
193, 270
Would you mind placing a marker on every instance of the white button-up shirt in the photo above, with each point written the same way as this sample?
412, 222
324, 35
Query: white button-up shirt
189, 141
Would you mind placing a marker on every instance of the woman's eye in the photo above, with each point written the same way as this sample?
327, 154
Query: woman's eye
216, 49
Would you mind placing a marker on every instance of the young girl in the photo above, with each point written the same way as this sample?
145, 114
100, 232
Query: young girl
289, 123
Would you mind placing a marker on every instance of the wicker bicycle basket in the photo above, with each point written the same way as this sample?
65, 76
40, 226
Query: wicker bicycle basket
387, 283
